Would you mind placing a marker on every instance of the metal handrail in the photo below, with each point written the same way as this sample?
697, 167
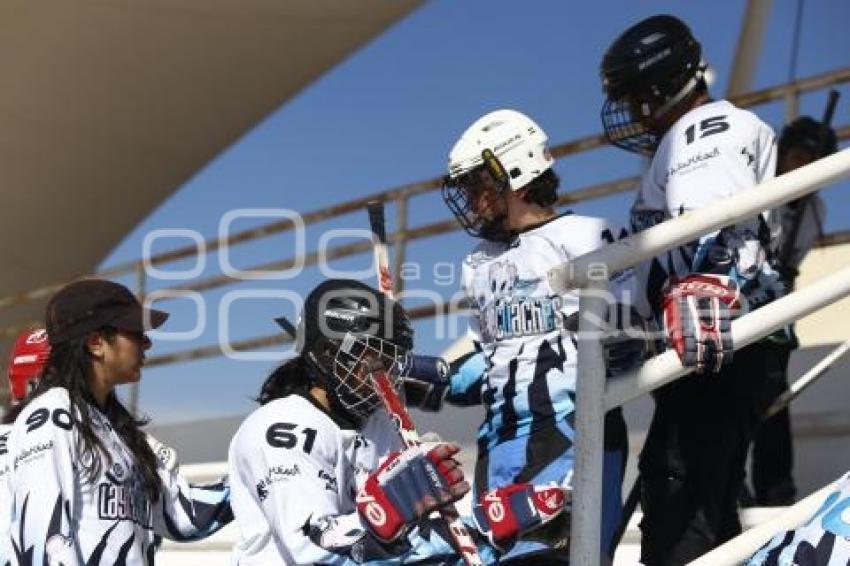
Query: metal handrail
400, 195
592, 399
407, 191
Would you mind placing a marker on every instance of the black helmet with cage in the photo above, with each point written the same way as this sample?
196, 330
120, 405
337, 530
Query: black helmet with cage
345, 327
648, 70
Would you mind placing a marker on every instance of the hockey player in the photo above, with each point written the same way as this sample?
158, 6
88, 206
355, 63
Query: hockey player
88, 486
823, 540
802, 141
26, 361
318, 471
702, 151
502, 189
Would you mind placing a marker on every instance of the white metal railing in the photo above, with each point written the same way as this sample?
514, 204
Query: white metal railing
808, 378
591, 397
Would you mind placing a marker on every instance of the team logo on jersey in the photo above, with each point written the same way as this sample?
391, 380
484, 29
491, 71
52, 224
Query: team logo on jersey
512, 311
34, 451
117, 471
330, 481
693, 162
521, 316
275, 474
124, 500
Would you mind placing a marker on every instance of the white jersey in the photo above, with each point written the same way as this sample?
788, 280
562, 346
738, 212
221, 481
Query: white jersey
5, 498
61, 515
713, 152
524, 329
295, 471
824, 540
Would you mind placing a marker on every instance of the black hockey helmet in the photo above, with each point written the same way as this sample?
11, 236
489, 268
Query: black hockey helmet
346, 326
809, 134
649, 69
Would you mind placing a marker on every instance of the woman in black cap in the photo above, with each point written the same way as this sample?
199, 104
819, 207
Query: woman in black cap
87, 487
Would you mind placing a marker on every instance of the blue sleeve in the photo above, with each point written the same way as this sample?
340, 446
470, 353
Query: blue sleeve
466, 379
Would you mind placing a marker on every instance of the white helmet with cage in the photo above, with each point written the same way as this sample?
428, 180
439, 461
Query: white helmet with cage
502, 150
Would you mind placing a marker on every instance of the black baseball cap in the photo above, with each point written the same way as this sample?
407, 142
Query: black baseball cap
88, 304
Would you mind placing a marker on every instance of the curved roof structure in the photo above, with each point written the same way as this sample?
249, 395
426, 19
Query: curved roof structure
107, 107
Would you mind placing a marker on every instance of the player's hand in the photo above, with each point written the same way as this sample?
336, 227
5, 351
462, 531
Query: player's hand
698, 314
166, 455
629, 344
408, 486
506, 513
426, 381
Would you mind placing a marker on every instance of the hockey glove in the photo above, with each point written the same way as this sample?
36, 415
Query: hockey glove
506, 513
408, 486
698, 313
629, 343
426, 381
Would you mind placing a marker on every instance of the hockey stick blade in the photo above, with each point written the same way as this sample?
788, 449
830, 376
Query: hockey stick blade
377, 220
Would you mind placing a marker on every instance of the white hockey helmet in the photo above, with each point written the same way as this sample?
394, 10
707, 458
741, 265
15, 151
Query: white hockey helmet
504, 150
514, 138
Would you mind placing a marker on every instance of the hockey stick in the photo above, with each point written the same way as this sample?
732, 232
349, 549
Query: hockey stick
829, 111
389, 396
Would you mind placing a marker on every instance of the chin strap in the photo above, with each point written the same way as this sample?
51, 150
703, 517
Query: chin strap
686, 90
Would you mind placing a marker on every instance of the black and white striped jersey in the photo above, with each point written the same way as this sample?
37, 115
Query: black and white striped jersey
61, 515
823, 540
524, 329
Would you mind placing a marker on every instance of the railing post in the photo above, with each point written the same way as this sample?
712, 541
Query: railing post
141, 283
585, 538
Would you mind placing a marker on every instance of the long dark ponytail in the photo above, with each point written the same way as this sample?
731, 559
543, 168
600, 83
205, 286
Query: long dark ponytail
293, 376
69, 367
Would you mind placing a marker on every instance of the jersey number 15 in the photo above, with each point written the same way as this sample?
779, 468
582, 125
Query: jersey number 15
707, 127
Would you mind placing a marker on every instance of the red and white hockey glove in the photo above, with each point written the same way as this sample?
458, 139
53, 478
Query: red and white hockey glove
408, 486
506, 513
698, 314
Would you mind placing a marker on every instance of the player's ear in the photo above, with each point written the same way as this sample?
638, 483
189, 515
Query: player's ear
96, 344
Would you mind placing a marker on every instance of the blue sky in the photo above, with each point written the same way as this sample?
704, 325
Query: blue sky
388, 115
